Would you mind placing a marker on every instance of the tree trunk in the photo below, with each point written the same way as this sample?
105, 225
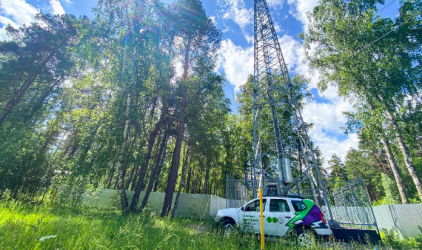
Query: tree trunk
171, 182
384, 168
113, 170
12, 103
132, 171
137, 163
115, 183
160, 169
129, 181
193, 182
154, 103
157, 179
122, 162
110, 178
188, 181
216, 182
134, 179
153, 178
199, 182
207, 178
392, 163
406, 154
145, 163
182, 183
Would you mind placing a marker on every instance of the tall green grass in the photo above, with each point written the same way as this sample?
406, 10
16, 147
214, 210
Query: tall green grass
23, 225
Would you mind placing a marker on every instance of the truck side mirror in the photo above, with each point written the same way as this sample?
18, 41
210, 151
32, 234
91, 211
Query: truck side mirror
242, 208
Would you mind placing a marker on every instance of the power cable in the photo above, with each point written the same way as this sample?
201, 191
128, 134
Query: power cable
381, 37
384, 7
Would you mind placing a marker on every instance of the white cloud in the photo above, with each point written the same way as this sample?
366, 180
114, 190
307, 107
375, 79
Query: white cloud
236, 62
213, 20
278, 4
327, 116
290, 49
277, 27
236, 11
248, 38
57, 7
329, 145
18, 10
328, 119
301, 8
15, 13
5, 21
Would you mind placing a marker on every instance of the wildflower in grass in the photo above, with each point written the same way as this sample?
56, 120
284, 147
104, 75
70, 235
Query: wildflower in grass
47, 237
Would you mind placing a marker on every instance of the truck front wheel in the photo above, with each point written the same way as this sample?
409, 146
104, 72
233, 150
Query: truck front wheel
228, 226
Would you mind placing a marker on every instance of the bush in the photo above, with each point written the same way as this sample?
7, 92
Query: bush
393, 240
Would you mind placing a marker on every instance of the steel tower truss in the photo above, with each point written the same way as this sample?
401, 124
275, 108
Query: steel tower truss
280, 135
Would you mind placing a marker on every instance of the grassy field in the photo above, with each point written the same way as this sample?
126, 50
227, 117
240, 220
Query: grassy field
25, 226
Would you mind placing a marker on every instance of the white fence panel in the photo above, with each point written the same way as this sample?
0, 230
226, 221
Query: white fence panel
406, 219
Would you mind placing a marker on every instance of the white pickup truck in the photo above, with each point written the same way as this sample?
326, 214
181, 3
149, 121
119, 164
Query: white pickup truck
281, 216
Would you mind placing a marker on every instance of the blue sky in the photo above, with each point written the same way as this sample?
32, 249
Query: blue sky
235, 19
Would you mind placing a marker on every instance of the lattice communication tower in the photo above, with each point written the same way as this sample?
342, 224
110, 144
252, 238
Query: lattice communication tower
282, 148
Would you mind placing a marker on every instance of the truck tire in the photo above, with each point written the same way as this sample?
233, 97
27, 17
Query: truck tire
227, 226
306, 237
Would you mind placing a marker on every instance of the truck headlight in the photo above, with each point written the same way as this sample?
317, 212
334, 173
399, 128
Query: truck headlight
217, 218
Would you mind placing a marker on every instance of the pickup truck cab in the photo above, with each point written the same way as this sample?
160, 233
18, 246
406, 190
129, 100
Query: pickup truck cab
282, 215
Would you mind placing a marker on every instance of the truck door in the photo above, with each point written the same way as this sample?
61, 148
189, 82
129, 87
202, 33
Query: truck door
278, 215
249, 216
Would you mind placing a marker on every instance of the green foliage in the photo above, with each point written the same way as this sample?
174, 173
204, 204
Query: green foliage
37, 61
375, 64
337, 168
92, 92
361, 164
393, 240
390, 190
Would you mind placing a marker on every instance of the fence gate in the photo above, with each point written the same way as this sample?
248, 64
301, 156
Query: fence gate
350, 205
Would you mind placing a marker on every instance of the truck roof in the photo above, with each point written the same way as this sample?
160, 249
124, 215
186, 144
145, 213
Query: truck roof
285, 196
